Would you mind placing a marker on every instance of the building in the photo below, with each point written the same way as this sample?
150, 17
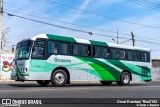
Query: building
156, 63
155, 69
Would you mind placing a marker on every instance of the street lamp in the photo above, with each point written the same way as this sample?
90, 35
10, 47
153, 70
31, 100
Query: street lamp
114, 40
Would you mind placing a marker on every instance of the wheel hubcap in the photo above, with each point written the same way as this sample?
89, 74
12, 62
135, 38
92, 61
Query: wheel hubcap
59, 78
125, 78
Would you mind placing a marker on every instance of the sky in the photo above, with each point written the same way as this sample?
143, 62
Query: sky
50, 12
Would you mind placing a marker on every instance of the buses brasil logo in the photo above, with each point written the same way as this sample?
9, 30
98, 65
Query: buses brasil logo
62, 60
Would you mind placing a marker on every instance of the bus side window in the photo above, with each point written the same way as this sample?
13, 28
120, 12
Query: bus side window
101, 52
144, 56
38, 49
115, 53
65, 48
130, 55
118, 54
137, 56
89, 51
53, 47
81, 50
122, 54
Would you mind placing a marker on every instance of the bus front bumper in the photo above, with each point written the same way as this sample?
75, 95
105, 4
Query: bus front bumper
19, 77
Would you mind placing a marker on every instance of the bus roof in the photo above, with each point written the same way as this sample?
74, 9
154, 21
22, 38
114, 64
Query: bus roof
93, 42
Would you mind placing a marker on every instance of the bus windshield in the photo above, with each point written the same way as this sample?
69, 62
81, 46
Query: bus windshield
23, 49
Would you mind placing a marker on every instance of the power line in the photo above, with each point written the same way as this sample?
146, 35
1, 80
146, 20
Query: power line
103, 15
43, 17
146, 4
40, 16
148, 42
152, 3
152, 39
77, 30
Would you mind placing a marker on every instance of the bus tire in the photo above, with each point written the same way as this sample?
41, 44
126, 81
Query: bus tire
43, 82
125, 79
59, 78
106, 82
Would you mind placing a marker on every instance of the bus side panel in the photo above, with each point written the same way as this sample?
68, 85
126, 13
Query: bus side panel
98, 69
37, 69
78, 69
85, 68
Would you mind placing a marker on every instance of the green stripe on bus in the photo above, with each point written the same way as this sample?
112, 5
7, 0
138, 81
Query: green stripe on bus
61, 38
126, 66
98, 43
94, 72
102, 72
115, 73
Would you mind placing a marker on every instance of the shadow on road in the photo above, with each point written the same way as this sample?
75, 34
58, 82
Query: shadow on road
83, 84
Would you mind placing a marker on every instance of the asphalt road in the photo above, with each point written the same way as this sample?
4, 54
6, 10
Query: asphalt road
12, 89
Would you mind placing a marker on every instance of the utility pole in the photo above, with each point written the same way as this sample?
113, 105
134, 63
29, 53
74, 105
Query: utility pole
117, 37
133, 40
117, 42
1, 15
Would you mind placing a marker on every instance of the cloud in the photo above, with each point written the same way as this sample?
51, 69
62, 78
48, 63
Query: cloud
99, 3
76, 14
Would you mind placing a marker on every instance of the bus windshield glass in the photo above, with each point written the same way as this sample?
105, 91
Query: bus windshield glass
23, 49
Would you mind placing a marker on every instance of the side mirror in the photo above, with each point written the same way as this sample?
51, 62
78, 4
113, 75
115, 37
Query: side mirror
33, 49
13, 49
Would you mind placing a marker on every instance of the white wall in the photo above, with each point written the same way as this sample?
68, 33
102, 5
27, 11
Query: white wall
155, 73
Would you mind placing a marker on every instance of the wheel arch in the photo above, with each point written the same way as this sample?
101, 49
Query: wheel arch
128, 72
66, 70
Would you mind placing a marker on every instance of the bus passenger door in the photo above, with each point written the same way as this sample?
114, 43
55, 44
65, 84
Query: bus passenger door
38, 62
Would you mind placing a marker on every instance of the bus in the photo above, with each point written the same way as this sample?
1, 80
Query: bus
60, 60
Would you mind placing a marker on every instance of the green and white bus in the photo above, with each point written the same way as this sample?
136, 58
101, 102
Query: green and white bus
57, 59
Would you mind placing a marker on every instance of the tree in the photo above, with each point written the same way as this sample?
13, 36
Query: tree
5, 43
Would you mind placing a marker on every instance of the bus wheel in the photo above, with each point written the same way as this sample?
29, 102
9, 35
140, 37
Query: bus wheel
59, 78
43, 82
124, 79
106, 82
